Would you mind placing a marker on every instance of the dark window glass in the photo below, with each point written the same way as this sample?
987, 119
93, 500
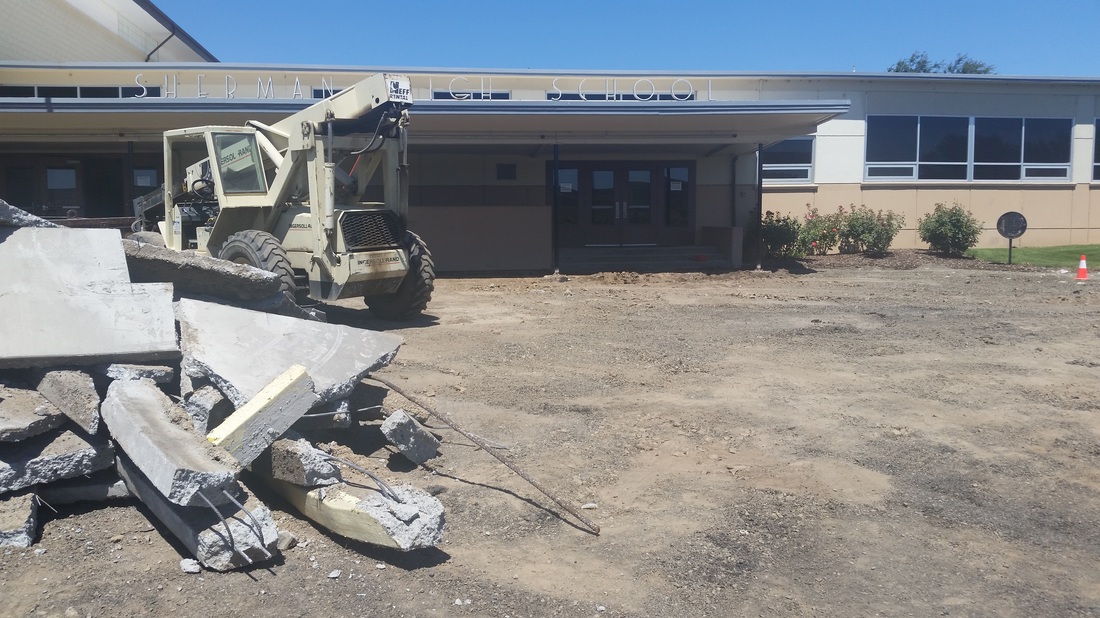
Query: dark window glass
789, 152
1096, 152
997, 140
786, 174
568, 202
943, 140
891, 138
676, 191
447, 95
506, 171
61, 187
1047, 140
16, 91
639, 205
135, 91
1046, 172
60, 92
941, 172
99, 92
890, 171
603, 197
996, 172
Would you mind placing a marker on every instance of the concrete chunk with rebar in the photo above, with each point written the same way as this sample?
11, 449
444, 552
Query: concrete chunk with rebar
221, 537
182, 465
18, 518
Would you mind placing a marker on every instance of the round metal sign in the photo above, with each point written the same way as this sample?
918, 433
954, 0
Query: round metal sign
1012, 225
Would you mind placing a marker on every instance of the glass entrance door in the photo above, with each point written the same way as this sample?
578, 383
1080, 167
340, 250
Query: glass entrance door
619, 209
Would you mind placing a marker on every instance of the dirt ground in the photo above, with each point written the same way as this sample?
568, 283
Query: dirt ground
838, 437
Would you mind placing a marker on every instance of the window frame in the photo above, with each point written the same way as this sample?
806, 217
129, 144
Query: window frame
808, 168
1029, 172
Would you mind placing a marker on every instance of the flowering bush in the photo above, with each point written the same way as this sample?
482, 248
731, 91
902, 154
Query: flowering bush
867, 231
820, 233
949, 230
780, 235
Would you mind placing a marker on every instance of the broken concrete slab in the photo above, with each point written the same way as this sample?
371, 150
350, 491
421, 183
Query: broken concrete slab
125, 371
255, 425
410, 437
25, 412
124, 322
192, 273
52, 456
363, 514
242, 351
294, 460
74, 393
207, 407
64, 306
18, 518
61, 259
204, 531
95, 487
182, 465
12, 216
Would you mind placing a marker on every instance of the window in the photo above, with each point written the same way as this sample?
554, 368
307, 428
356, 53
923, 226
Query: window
677, 182
967, 148
61, 187
568, 196
239, 163
447, 95
506, 171
789, 161
1096, 154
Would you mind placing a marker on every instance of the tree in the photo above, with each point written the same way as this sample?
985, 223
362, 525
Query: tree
918, 62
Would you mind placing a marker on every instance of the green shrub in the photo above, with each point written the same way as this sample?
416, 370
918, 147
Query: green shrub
820, 233
867, 231
780, 235
949, 230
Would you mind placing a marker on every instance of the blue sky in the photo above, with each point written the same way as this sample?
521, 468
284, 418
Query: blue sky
1053, 38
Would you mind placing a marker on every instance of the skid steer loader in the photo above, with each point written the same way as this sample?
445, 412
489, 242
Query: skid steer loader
319, 198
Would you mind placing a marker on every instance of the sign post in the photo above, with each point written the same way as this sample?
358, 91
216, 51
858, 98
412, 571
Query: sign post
1011, 225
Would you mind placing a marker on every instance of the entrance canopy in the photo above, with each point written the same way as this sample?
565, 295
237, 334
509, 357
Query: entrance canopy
708, 124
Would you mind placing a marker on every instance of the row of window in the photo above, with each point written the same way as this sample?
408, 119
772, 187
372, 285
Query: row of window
946, 148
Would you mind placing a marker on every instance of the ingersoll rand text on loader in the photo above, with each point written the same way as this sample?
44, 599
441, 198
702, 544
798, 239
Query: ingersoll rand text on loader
319, 198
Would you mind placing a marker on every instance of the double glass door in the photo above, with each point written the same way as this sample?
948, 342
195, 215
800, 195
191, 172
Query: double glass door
623, 203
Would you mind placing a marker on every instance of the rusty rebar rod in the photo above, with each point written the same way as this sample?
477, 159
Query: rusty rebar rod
489, 449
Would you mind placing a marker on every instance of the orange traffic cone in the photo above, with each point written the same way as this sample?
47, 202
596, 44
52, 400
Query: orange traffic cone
1082, 271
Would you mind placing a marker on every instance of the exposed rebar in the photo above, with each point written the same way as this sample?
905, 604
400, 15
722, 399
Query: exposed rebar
488, 449
255, 522
228, 530
383, 488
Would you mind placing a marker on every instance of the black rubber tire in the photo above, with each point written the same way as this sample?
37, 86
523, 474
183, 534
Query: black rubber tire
262, 250
415, 291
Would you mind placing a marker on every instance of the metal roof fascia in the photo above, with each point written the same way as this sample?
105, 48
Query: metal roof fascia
631, 108
530, 108
175, 29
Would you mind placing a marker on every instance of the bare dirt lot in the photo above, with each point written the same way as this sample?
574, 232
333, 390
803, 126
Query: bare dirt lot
908, 437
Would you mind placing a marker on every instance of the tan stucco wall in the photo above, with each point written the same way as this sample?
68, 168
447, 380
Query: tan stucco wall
1056, 215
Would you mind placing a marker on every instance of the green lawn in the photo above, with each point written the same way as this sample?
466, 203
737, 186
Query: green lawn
1066, 256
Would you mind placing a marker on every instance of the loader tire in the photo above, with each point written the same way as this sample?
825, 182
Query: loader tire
415, 291
262, 250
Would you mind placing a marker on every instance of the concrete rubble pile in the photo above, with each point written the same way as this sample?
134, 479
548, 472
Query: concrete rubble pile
100, 400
